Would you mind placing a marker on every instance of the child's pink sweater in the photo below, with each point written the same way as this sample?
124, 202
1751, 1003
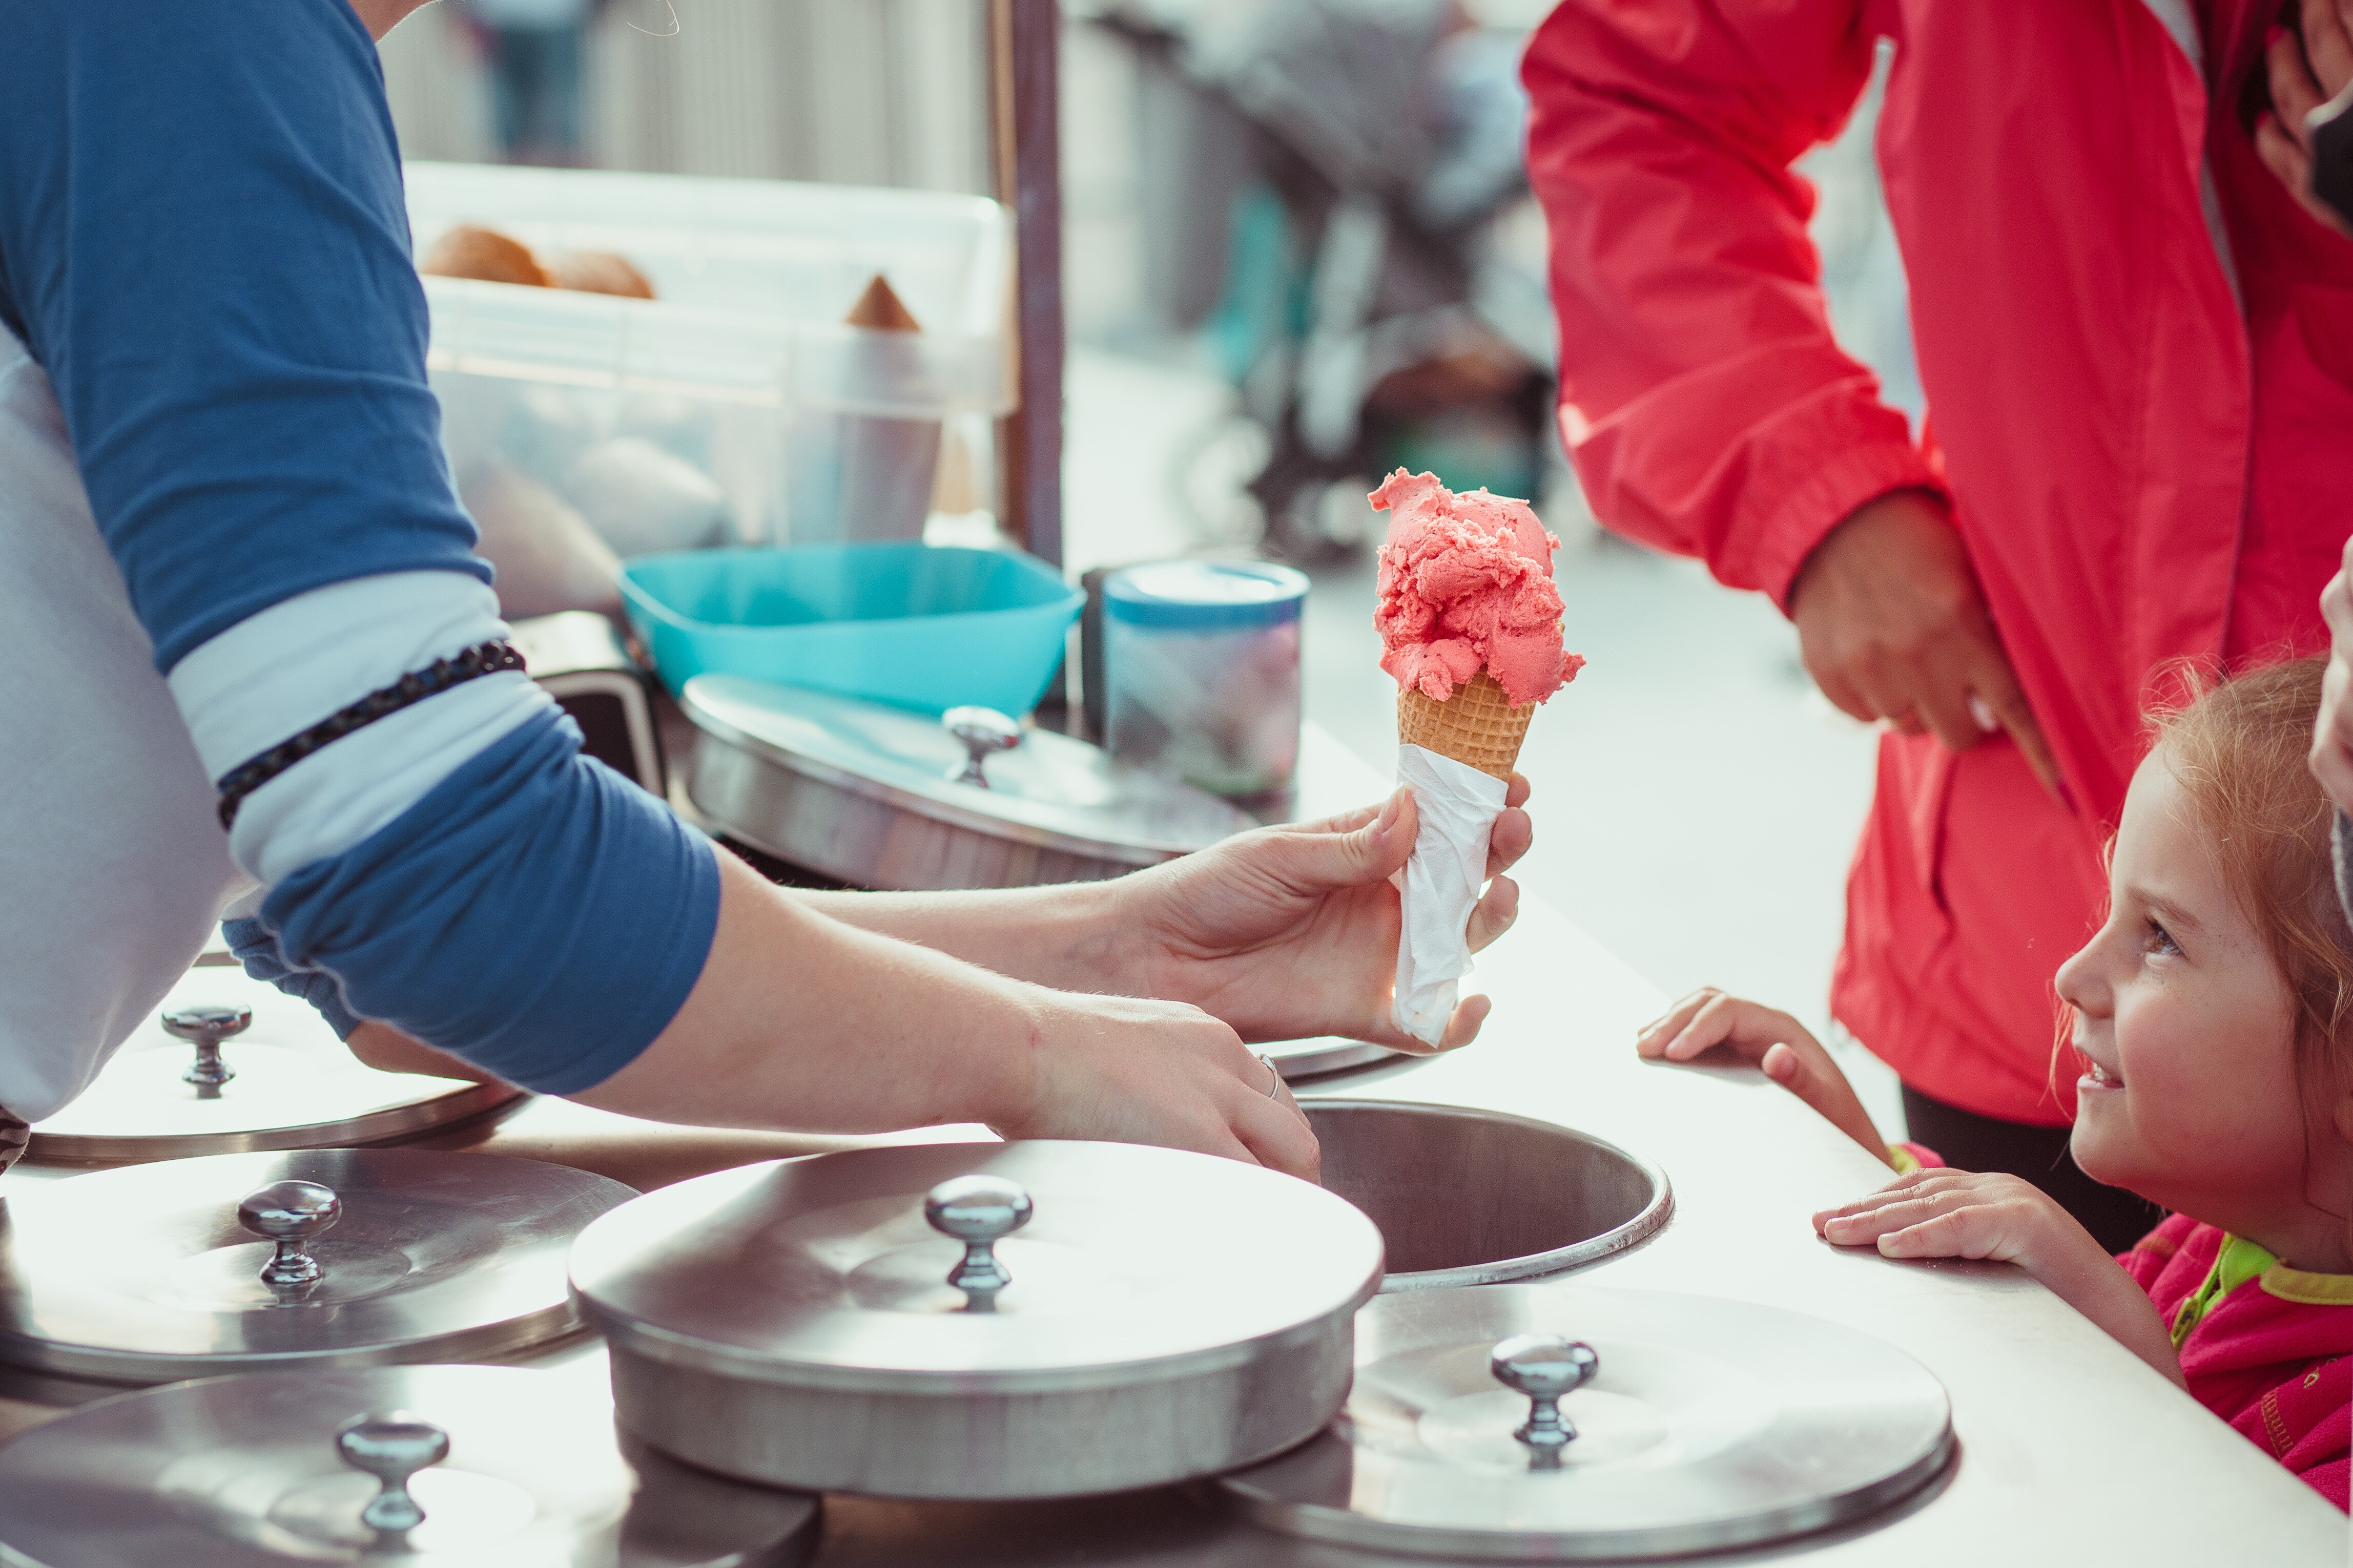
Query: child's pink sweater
2267, 1348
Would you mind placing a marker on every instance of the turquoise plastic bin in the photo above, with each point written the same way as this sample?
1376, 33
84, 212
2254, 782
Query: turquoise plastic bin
918, 626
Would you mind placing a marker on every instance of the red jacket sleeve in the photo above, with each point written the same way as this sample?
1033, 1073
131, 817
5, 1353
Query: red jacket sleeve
1707, 406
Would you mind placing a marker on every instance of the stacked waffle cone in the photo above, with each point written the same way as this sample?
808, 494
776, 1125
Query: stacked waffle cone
1477, 726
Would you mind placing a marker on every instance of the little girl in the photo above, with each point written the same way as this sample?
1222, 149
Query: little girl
2214, 1015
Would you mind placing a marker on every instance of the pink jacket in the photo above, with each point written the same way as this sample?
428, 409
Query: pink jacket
2142, 466
2267, 1353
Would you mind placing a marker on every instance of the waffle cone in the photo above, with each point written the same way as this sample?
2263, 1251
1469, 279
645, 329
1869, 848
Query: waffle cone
1477, 726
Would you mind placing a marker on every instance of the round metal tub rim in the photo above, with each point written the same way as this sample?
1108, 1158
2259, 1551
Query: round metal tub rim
937, 807
100, 1150
608, 1256
1534, 1264
676, 1350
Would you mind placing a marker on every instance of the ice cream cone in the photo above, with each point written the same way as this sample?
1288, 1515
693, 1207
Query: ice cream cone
1477, 726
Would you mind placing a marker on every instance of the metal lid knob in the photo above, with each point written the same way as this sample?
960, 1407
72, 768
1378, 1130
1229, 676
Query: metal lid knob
391, 1446
206, 1025
977, 1211
1544, 1367
984, 732
291, 1214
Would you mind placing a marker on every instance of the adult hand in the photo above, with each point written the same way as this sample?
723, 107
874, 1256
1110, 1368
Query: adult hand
2332, 736
1293, 930
2306, 75
1131, 1071
1890, 625
1772, 1041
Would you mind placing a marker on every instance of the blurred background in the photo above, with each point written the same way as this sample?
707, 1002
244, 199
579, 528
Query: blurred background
1265, 315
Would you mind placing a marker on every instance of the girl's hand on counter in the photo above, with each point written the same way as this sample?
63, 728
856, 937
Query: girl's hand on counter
1291, 932
1770, 1040
2000, 1218
1957, 1214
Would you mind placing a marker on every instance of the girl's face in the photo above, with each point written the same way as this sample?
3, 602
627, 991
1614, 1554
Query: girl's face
2192, 1097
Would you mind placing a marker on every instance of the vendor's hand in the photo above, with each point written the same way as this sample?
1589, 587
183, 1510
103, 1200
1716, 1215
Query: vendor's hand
1890, 625
2332, 735
1129, 1071
1292, 931
1773, 1041
2304, 75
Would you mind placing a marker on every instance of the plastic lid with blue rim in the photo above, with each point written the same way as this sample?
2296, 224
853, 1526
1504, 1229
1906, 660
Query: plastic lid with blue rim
1204, 595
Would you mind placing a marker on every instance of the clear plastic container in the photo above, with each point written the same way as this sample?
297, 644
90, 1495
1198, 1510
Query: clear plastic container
736, 408
1201, 660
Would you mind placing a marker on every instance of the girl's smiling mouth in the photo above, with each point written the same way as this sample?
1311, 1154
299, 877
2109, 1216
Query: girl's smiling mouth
2098, 1078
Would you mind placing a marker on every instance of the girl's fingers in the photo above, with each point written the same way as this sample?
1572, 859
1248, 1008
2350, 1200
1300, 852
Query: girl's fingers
1715, 1023
1660, 1030
1862, 1229
1975, 1232
1516, 793
1901, 1187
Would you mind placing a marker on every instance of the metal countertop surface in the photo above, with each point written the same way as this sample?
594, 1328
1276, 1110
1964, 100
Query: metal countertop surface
2072, 1452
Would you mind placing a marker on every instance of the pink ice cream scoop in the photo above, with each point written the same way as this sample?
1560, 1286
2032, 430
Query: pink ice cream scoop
1465, 584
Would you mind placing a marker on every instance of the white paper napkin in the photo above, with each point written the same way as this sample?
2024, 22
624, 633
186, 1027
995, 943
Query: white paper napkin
1457, 805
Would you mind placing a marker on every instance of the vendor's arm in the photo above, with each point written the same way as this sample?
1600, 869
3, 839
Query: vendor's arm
204, 243
2003, 1220
1283, 932
1703, 399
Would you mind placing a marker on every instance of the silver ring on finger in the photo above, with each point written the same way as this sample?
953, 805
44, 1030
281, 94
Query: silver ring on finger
1274, 1074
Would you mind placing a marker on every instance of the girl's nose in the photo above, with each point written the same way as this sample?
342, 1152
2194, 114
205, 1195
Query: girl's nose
2080, 984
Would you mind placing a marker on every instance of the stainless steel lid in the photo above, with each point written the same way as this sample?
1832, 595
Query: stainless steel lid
1126, 1265
441, 1466
1547, 1423
1300, 1059
1041, 789
324, 1258
227, 1065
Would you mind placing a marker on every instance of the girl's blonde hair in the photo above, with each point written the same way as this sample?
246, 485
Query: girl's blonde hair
2239, 749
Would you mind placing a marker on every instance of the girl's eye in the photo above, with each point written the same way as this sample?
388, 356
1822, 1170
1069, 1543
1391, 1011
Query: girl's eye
2156, 939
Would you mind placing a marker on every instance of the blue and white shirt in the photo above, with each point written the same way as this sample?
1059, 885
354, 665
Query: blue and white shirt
225, 514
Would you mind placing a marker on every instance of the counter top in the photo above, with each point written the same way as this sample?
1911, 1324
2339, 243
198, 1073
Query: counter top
2072, 1452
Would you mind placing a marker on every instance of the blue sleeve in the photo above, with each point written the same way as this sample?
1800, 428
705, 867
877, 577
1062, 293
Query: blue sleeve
202, 241
255, 945
536, 914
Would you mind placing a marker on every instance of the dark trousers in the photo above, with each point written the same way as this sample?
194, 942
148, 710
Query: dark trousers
1968, 1141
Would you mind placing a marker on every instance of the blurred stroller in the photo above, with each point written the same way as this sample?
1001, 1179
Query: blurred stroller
1384, 299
